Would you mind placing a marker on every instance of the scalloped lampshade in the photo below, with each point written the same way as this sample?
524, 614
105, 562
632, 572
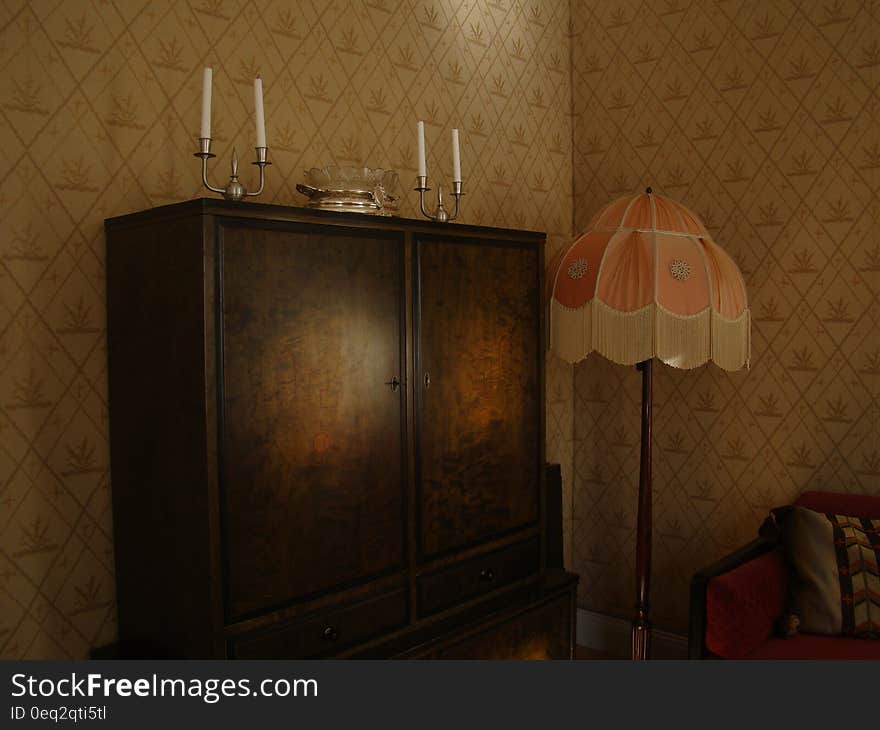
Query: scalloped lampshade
647, 281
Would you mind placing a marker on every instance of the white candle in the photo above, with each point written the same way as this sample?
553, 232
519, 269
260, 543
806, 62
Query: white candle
423, 166
206, 103
456, 158
258, 112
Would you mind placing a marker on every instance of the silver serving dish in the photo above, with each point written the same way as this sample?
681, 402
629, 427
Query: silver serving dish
351, 189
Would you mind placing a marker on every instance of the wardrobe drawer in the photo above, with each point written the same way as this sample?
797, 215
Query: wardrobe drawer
542, 631
326, 634
477, 576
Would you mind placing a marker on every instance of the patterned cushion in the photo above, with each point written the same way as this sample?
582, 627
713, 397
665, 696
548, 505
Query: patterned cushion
835, 587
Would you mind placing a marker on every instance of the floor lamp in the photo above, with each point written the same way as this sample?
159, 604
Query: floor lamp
646, 281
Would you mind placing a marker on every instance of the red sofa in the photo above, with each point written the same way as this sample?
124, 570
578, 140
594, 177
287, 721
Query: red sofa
736, 602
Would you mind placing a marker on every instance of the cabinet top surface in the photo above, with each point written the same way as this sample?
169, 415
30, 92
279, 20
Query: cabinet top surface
284, 213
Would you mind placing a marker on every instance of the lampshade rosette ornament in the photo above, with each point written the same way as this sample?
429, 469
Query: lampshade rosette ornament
647, 281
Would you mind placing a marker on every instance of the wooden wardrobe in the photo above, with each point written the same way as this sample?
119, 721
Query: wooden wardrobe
327, 437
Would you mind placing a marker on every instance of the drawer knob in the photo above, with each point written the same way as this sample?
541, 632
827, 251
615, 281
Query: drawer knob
330, 634
487, 575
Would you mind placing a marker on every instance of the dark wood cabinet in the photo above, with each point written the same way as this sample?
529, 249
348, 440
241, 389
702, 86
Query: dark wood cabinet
326, 432
479, 435
312, 478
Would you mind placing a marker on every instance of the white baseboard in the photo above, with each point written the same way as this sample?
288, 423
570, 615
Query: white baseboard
612, 636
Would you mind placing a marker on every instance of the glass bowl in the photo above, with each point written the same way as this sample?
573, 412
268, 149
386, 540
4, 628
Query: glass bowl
351, 189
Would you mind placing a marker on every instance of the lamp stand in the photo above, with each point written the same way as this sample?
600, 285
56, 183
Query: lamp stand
641, 627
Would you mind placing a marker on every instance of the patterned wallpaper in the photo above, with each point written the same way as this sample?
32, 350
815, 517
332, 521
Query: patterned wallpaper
760, 116
99, 111
763, 118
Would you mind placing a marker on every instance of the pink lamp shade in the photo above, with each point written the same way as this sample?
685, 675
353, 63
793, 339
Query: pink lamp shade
647, 280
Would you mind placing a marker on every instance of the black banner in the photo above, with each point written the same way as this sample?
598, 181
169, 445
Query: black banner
330, 694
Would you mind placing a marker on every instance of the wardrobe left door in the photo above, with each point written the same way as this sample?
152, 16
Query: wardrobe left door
312, 438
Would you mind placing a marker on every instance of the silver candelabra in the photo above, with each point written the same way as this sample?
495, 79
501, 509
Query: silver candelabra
440, 214
234, 190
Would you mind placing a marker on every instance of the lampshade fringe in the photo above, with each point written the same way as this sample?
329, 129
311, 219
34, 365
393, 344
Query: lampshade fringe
683, 341
570, 332
623, 337
627, 338
731, 341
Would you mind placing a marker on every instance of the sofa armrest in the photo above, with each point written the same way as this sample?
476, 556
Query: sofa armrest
737, 599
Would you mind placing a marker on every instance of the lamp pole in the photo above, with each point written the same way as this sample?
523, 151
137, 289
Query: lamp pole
641, 627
